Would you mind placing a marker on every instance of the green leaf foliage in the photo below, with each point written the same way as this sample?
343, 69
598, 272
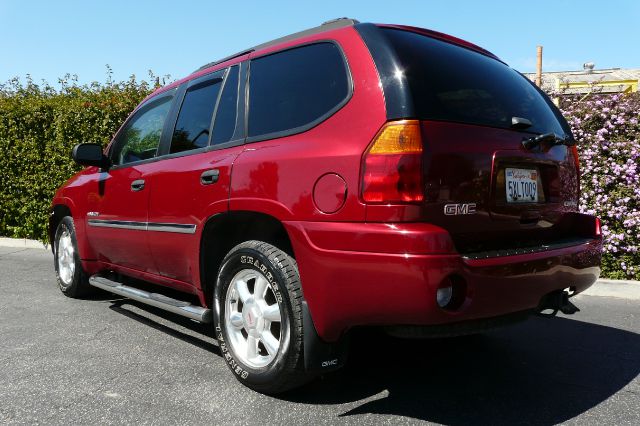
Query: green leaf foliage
39, 125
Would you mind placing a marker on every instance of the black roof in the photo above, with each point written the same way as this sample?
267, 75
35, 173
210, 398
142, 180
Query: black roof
325, 26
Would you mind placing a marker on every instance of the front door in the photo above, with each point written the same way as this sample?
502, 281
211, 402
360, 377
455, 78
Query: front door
118, 205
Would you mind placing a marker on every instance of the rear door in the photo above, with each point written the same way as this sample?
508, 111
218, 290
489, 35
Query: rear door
117, 217
192, 182
481, 182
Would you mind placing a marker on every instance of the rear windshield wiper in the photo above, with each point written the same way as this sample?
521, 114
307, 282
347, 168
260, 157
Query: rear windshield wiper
520, 123
552, 138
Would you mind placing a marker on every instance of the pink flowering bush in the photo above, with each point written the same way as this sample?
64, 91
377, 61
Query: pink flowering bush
607, 130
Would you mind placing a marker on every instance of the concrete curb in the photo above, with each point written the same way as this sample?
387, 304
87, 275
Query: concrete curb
621, 289
22, 243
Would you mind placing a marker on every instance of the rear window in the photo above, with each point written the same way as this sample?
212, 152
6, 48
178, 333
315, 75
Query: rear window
452, 83
294, 89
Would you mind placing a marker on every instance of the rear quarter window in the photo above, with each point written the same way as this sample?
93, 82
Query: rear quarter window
452, 83
194, 119
226, 114
293, 90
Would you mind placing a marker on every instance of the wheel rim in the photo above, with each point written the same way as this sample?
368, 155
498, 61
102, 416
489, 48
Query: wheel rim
253, 318
66, 258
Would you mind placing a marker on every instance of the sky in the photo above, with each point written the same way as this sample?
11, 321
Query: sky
48, 39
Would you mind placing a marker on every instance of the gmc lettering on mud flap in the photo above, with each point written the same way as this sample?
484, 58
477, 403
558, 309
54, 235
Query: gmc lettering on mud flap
330, 363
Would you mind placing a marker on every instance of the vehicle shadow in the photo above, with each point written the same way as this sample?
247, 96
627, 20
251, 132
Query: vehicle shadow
203, 338
543, 371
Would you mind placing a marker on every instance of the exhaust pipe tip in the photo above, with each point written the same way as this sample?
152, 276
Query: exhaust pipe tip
556, 301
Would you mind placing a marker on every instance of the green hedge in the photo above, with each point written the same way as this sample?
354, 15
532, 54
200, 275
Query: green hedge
39, 125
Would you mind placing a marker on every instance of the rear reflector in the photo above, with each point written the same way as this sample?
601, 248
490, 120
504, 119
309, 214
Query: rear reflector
392, 165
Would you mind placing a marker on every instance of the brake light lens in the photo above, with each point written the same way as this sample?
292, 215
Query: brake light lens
598, 227
392, 165
576, 159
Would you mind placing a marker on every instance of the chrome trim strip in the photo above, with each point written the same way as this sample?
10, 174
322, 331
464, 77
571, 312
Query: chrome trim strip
180, 228
172, 227
140, 226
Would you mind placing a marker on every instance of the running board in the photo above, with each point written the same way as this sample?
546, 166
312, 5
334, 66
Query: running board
179, 307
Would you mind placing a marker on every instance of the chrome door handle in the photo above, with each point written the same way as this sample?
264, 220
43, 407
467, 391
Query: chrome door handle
137, 185
209, 176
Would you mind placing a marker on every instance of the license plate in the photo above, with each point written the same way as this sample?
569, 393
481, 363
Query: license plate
521, 185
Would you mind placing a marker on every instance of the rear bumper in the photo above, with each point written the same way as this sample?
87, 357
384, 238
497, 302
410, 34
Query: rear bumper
358, 274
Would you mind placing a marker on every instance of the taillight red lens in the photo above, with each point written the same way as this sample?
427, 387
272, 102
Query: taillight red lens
576, 160
392, 165
598, 229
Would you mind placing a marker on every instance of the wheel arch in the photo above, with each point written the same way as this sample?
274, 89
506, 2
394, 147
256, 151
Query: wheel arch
223, 231
234, 227
58, 211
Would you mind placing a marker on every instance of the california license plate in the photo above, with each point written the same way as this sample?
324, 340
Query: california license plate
521, 185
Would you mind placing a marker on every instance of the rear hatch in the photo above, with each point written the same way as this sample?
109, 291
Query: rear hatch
493, 194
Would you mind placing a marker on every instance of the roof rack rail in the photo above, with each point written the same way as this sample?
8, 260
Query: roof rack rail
348, 21
325, 26
226, 58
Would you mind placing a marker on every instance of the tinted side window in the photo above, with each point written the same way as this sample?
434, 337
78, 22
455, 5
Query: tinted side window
194, 119
295, 87
452, 83
225, 122
140, 137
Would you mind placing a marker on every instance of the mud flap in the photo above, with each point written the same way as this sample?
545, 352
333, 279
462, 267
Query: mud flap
320, 356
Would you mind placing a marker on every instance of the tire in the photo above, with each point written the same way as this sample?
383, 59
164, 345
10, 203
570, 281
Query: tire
245, 319
72, 279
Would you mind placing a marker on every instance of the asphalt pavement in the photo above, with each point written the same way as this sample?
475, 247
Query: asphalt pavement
107, 360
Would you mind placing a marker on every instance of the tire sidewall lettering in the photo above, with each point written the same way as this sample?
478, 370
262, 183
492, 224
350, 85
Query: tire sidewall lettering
250, 260
228, 357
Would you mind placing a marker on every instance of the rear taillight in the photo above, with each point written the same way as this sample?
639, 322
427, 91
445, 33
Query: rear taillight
392, 165
598, 229
576, 160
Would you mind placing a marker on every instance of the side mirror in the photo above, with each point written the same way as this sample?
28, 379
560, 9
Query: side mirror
90, 154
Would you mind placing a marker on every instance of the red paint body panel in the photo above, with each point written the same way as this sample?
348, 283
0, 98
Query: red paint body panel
349, 288
400, 238
111, 195
178, 196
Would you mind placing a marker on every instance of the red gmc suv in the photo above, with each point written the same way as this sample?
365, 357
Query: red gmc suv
349, 175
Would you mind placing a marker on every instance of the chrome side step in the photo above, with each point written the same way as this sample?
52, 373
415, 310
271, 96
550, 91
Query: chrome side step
179, 307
